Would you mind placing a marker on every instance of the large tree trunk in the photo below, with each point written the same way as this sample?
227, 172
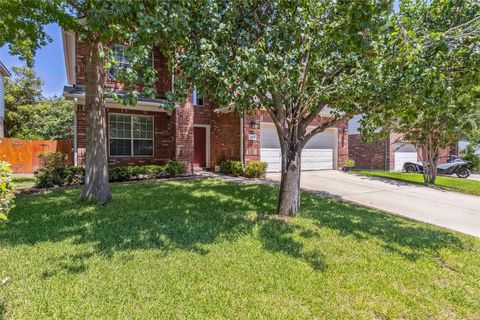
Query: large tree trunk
96, 165
289, 199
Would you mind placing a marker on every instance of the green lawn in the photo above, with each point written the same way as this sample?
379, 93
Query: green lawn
454, 183
210, 249
23, 182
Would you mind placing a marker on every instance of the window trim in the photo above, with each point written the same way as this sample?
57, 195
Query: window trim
131, 115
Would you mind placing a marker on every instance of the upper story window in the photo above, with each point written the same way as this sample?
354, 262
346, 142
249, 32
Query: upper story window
120, 56
119, 52
130, 135
198, 100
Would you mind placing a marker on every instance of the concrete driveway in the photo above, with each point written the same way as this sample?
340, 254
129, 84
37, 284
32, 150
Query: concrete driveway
447, 209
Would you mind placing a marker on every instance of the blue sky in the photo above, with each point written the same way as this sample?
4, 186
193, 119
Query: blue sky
49, 62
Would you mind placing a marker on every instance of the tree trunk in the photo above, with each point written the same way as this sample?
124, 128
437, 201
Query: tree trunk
430, 156
289, 199
96, 165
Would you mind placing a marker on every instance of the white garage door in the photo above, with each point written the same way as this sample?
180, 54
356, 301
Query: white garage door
317, 154
404, 152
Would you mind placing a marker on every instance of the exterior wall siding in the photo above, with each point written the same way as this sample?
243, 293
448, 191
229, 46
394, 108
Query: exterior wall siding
225, 138
375, 155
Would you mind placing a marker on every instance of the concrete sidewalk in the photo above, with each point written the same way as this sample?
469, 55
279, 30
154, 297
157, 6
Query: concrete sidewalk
456, 211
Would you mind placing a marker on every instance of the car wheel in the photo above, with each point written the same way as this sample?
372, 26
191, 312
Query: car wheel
410, 168
463, 173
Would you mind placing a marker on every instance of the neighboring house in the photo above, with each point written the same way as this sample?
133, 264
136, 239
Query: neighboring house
387, 154
197, 133
4, 73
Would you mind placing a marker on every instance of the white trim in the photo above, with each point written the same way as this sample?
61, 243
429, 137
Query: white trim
131, 138
207, 147
68, 41
110, 103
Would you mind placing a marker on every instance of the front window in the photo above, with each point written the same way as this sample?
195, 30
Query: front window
130, 135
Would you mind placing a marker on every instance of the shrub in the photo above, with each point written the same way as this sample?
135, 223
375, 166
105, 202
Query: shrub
120, 174
154, 171
256, 169
232, 168
350, 163
174, 168
52, 160
53, 171
6, 191
74, 175
469, 155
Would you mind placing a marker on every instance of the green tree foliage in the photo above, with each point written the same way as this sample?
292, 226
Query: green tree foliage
437, 63
28, 115
55, 119
23, 92
295, 59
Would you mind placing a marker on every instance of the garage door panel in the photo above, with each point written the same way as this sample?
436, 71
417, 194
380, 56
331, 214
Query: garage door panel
402, 157
317, 154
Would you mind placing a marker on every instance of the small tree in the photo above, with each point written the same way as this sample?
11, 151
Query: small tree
437, 98
23, 93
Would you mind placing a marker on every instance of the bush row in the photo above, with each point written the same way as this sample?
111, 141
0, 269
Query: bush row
253, 169
66, 176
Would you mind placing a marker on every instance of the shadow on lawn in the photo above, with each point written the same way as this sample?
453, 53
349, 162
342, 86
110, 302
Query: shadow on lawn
190, 215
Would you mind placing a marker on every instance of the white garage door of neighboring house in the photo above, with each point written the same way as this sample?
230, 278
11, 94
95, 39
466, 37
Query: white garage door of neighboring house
317, 154
404, 152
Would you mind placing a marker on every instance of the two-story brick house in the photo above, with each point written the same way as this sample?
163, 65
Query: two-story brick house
198, 132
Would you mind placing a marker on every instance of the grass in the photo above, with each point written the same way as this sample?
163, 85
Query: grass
453, 183
211, 249
23, 182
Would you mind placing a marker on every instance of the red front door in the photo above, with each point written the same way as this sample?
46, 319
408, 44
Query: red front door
200, 147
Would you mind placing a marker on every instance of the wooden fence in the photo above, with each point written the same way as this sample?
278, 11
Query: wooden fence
23, 154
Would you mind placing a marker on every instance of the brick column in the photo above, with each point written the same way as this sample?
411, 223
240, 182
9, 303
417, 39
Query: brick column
251, 147
342, 147
184, 134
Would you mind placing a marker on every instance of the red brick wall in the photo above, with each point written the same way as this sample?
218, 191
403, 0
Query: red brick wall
184, 119
373, 155
164, 138
343, 143
204, 114
225, 138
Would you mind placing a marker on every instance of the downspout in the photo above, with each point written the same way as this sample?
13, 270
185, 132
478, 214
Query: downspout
75, 139
241, 140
